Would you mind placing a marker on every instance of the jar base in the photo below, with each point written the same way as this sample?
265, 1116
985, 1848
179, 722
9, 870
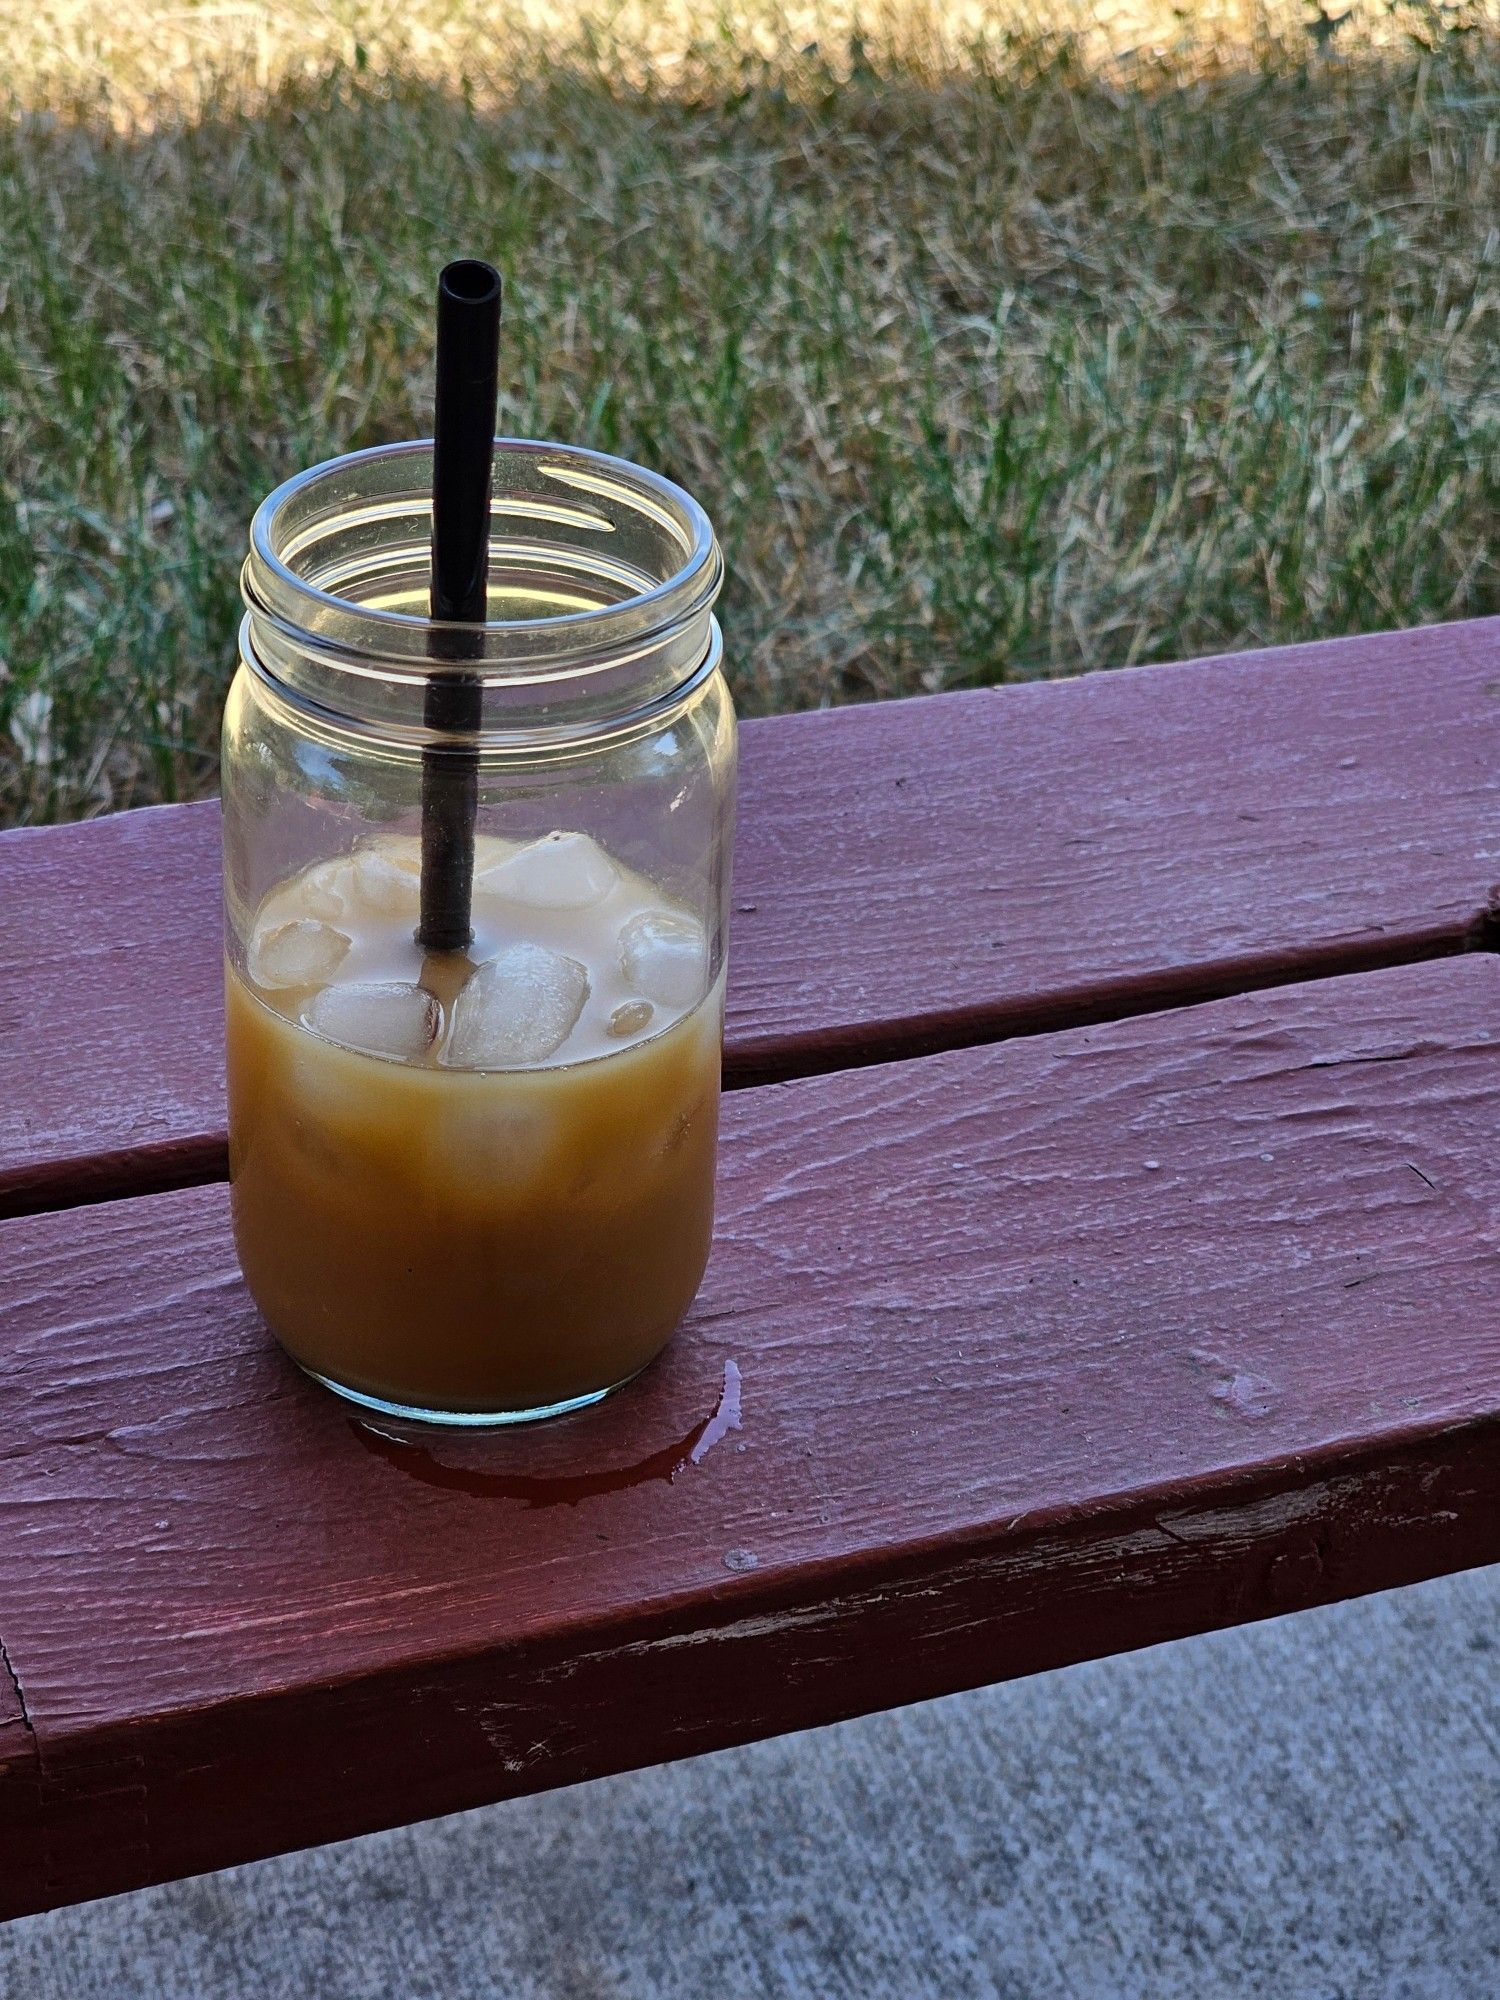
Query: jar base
486, 1420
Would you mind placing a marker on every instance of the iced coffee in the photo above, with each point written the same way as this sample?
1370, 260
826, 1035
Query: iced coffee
476, 1185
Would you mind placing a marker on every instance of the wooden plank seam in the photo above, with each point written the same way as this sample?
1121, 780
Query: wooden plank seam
909, 876
203, 1161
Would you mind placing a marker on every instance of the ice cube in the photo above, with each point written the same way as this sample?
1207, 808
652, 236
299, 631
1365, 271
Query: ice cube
324, 890
630, 1018
386, 878
303, 952
665, 957
319, 893
313, 893
518, 1008
491, 851
404, 850
562, 871
381, 1017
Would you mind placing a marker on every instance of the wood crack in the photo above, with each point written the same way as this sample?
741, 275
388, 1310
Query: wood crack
1484, 933
15, 1680
1374, 1056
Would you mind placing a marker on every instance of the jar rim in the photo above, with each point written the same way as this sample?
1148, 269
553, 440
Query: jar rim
686, 594
338, 566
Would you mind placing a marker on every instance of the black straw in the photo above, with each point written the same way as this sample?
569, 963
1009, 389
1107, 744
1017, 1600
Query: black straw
468, 360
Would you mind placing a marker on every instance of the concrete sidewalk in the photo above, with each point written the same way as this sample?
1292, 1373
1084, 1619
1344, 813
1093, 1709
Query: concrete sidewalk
1307, 1810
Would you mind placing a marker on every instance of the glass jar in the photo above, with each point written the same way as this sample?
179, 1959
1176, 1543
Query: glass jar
477, 1186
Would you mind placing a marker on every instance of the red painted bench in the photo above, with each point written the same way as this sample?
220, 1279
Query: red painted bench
1109, 1248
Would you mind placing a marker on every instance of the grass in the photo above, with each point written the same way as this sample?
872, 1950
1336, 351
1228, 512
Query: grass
1026, 345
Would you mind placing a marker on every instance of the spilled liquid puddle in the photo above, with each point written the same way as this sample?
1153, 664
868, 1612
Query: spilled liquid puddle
565, 1489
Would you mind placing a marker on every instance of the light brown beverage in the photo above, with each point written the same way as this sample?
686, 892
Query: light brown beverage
477, 1185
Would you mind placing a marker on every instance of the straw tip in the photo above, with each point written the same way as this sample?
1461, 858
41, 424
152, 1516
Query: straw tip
469, 281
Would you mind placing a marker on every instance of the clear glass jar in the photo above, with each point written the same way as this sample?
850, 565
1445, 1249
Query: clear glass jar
477, 1186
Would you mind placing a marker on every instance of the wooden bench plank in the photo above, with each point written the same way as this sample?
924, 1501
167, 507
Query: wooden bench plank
111, 1007
1006, 1357
910, 876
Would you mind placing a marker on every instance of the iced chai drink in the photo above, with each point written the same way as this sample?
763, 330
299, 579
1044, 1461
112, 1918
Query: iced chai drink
472, 1179
474, 1184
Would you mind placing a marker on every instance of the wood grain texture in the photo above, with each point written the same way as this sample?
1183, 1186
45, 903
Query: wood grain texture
1041, 1350
911, 876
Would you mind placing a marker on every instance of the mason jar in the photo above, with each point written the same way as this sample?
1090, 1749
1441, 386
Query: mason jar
476, 1185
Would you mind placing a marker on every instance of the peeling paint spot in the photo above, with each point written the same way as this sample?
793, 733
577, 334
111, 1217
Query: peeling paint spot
726, 1417
1250, 1395
1238, 1389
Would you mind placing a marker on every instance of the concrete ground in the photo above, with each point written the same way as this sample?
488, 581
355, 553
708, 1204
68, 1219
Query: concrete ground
1306, 1810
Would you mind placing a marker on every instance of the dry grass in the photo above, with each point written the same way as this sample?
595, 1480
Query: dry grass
1030, 343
